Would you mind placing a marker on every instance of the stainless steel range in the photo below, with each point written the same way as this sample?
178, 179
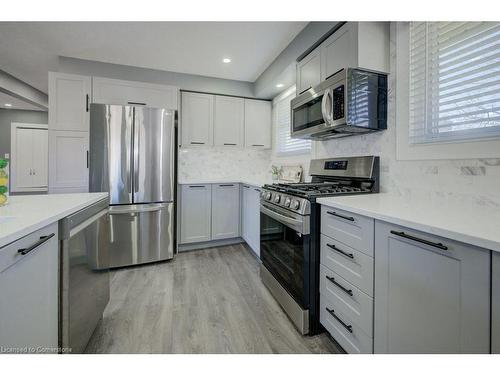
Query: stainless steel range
290, 232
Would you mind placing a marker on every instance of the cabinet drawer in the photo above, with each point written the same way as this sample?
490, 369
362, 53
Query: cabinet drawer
349, 300
353, 265
355, 342
9, 254
351, 229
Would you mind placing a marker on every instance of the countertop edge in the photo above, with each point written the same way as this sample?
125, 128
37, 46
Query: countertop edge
26, 230
471, 239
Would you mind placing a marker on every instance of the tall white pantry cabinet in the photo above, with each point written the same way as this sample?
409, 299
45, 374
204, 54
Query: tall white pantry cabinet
70, 98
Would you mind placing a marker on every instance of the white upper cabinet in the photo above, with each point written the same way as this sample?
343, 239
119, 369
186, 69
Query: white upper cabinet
257, 123
29, 158
115, 91
197, 119
308, 71
229, 121
356, 44
69, 100
68, 161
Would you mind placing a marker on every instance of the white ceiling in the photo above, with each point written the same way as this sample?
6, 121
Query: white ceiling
16, 103
29, 50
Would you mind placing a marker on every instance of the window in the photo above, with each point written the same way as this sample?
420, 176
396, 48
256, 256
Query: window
454, 81
281, 115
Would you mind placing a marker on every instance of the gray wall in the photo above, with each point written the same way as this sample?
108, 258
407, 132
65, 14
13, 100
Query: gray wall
15, 115
131, 73
282, 69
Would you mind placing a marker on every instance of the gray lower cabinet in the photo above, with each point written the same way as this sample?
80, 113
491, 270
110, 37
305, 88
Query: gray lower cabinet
196, 213
432, 295
225, 211
250, 217
495, 303
29, 291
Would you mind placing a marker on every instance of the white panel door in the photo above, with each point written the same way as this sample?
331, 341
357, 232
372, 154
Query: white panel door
24, 158
197, 124
339, 51
196, 208
116, 91
245, 212
254, 220
40, 157
257, 124
225, 211
309, 71
429, 299
68, 161
229, 119
69, 99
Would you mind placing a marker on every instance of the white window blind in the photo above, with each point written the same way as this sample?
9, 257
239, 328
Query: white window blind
281, 115
454, 81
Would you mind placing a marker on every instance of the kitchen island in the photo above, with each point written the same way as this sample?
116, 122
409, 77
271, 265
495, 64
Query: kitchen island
30, 269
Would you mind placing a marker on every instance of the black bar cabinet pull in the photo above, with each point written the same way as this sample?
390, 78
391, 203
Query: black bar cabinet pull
136, 103
257, 190
227, 185
332, 279
197, 143
333, 247
87, 100
258, 145
41, 241
332, 313
196, 186
87, 159
439, 245
350, 218
229, 144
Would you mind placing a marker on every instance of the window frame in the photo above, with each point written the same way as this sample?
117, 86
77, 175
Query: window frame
447, 149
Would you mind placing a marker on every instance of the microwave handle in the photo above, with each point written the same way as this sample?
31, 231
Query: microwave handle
327, 113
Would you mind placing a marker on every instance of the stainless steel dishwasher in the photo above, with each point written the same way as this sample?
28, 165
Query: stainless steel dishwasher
84, 275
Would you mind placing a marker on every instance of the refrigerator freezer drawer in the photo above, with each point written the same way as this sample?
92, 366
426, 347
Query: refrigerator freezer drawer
141, 233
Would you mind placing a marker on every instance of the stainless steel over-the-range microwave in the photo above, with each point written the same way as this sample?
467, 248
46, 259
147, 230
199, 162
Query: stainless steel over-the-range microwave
350, 102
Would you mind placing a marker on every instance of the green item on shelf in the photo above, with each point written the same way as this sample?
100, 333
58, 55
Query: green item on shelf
3, 189
3, 163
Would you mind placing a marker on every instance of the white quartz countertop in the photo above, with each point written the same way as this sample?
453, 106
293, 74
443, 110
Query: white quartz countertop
252, 182
476, 225
24, 214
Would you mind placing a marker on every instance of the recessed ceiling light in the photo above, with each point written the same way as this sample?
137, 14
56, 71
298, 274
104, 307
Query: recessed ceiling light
226, 60
8, 105
279, 85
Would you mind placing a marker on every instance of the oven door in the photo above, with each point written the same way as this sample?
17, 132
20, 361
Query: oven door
284, 249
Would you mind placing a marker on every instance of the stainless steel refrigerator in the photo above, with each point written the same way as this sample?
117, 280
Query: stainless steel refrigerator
132, 156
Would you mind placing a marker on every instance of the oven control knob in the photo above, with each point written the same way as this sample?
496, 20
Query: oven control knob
277, 198
295, 204
287, 202
268, 196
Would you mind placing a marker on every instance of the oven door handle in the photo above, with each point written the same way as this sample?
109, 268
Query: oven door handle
283, 219
327, 115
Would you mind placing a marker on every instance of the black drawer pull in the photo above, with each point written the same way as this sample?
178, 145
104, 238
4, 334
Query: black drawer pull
136, 103
332, 313
196, 186
197, 143
350, 218
41, 241
258, 145
226, 185
333, 247
257, 190
246, 187
229, 144
87, 101
439, 245
332, 279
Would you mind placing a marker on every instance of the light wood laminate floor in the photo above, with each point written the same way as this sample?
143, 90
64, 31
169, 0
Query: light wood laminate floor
204, 301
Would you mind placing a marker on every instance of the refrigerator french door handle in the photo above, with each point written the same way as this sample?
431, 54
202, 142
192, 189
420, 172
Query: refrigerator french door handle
135, 167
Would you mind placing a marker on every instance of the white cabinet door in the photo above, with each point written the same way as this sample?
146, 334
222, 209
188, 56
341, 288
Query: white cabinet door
309, 71
229, 119
68, 161
115, 91
29, 292
429, 299
23, 173
245, 211
495, 303
339, 51
197, 124
40, 157
69, 99
225, 211
257, 123
250, 218
196, 208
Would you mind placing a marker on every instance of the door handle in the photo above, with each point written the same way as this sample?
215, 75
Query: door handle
87, 159
38, 243
439, 245
87, 102
327, 116
148, 208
